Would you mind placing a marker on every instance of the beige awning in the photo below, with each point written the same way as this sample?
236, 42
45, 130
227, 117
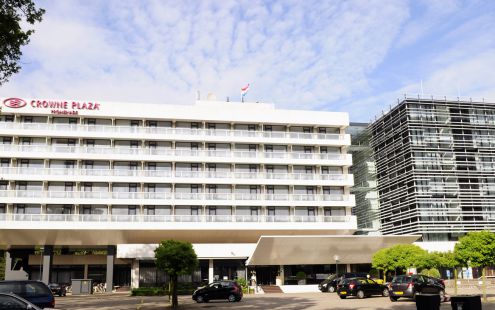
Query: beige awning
309, 250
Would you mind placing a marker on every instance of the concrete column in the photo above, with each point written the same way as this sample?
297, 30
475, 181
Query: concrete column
8, 262
135, 274
210, 271
86, 271
47, 263
111, 250
348, 268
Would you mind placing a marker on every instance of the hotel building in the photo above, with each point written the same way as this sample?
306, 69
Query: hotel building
435, 167
249, 185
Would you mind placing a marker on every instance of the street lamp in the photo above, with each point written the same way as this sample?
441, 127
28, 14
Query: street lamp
41, 260
336, 257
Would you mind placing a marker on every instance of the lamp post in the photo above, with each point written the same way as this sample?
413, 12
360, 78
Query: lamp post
336, 257
41, 260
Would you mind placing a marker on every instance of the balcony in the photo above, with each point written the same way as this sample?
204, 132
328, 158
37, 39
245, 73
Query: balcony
168, 133
169, 198
178, 176
171, 218
167, 154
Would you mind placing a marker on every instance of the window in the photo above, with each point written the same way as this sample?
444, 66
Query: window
194, 167
253, 168
9, 118
72, 121
322, 130
194, 125
4, 162
2, 209
268, 128
253, 189
90, 143
134, 123
25, 140
69, 164
270, 190
327, 212
325, 170
152, 124
268, 148
323, 149
308, 169
311, 212
150, 210
251, 127
151, 166
151, 188
310, 190
194, 188
252, 147
21, 186
87, 187
212, 146
88, 164
308, 149
212, 189
133, 144
131, 210
12, 303
20, 209
71, 142
67, 209
24, 163
271, 211
7, 140
28, 119
269, 169
254, 211
194, 146
69, 187
132, 187
86, 210
307, 129
194, 211
91, 121
152, 145
133, 165
212, 211
212, 126
212, 167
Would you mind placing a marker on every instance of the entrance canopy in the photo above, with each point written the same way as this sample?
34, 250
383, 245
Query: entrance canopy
315, 250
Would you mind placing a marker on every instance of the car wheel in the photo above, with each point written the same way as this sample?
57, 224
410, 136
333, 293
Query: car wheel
342, 296
331, 289
385, 292
360, 294
393, 298
232, 298
200, 299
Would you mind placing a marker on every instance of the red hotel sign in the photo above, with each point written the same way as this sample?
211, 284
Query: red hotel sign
55, 107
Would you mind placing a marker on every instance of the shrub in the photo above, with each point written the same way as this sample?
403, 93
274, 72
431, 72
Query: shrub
148, 291
242, 282
300, 275
433, 272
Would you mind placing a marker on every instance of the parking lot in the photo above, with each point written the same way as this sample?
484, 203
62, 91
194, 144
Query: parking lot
312, 301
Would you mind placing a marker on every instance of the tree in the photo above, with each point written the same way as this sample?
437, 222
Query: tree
175, 258
12, 36
401, 257
381, 260
478, 248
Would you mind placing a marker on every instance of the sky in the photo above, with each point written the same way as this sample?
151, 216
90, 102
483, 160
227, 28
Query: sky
352, 56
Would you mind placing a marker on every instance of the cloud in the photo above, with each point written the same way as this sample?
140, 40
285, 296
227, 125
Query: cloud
329, 55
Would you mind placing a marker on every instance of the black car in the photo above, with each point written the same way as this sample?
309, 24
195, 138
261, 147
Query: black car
58, 289
14, 302
410, 285
330, 283
229, 290
35, 292
360, 287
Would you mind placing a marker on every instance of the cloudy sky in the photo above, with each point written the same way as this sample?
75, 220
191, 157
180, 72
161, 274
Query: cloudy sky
356, 56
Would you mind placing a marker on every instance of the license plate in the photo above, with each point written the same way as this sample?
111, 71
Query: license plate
399, 293
343, 293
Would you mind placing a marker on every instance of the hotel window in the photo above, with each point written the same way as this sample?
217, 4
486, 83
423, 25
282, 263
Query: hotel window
194, 188
308, 169
252, 147
212, 126
212, 211
151, 188
310, 190
212, 167
90, 143
28, 119
133, 144
151, 166
327, 212
212, 189
271, 211
254, 211
3, 186
307, 129
131, 210
7, 140
67, 209
20, 209
251, 127
25, 140
253, 168
21, 186
71, 142
194, 211
5, 162
270, 190
69, 164
311, 212
150, 210
69, 187
269, 169
2, 209
194, 167
322, 130
323, 149
134, 123
308, 149
194, 146
133, 165
194, 125
86, 210
253, 189
9, 118
87, 187
268, 148
132, 187
24, 163
152, 124
88, 164
212, 146
91, 121
152, 144
268, 128
324, 170
72, 121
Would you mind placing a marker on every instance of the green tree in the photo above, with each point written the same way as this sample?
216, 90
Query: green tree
13, 13
2, 265
398, 257
175, 258
478, 248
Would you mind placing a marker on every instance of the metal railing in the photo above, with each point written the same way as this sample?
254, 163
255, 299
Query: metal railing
171, 132
7, 217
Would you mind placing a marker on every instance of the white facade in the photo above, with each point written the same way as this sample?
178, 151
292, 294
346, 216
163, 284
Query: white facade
147, 172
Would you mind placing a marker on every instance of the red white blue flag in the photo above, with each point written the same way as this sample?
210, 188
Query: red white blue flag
244, 90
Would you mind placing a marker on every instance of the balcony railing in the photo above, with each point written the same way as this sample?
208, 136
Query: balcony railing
170, 132
37, 193
171, 174
59, 148
7, 217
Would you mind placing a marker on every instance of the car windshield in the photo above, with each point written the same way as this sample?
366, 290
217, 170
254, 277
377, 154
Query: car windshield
36, 289
7, 287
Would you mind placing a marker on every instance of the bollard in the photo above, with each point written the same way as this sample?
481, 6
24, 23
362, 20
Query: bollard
428, 302
466, 302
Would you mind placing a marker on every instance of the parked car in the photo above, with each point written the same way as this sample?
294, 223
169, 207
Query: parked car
360, 287
330, 285
58, 289
229, 290
410, 285
35, 292
14, 302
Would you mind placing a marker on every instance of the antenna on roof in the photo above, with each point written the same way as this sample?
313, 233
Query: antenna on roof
422, 94
198, 95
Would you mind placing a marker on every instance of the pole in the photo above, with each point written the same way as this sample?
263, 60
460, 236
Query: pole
483, 276
455, 281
